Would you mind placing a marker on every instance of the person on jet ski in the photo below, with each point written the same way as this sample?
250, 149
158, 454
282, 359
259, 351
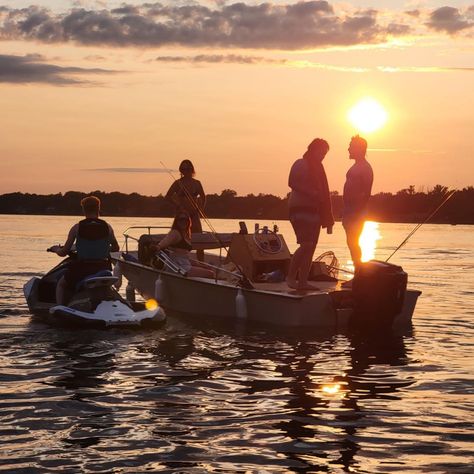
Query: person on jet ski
94, 239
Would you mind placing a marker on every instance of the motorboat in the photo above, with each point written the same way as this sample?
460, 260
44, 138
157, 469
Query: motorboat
250, 283
94, 303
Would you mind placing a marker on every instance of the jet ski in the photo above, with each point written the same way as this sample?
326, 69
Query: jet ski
94, 302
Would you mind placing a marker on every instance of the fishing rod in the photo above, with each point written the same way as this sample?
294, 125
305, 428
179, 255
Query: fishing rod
245, 280
445, 200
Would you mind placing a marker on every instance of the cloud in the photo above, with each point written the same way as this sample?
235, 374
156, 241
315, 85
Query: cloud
405, 150
252, 60
392, 69
32, 69
305, 24
132, 170
220, 58
220, 24
450, 20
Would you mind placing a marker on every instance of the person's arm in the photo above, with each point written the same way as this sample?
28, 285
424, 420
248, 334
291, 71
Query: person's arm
171, 238
171, 194
63, 250
114, 246
201, 200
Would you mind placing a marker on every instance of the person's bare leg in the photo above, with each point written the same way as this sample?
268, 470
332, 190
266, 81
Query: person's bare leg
353, 234
294, 266
300, 266
306, 259
200, 255
200, 272
196, 228
61, 291
352, 237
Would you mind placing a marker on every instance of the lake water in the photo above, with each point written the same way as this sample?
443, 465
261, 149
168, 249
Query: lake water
196, 397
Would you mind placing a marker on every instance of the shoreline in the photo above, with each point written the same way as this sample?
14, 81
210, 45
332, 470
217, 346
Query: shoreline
253, 218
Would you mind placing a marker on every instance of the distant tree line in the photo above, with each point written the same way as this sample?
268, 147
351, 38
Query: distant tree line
407, 205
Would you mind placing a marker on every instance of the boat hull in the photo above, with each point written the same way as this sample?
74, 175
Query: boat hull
207, 298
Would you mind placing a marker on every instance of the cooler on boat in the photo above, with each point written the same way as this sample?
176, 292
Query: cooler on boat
379, 290
259, 254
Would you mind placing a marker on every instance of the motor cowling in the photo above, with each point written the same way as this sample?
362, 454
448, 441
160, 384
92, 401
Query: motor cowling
379, 290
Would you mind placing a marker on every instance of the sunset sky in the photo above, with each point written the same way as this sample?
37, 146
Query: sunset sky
100, 95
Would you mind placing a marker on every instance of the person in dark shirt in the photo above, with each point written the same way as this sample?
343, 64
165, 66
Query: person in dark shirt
187, 194
94, 239
178, 242
309, 210
357, 191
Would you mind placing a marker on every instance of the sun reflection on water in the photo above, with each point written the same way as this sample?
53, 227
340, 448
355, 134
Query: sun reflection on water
334, 390
368, 240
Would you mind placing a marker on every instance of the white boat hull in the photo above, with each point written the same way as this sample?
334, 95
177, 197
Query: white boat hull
203, 298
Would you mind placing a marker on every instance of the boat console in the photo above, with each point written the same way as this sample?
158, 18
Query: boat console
259, 253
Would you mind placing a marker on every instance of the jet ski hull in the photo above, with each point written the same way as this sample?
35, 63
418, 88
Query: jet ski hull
93, 307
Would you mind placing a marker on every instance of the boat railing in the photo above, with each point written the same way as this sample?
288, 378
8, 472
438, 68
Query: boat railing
126, 233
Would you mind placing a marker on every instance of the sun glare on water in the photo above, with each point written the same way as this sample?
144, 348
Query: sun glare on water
368, 240
367, 115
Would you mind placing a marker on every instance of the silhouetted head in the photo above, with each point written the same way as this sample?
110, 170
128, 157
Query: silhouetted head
182, 223
186, 168
317, 149
357, 148
91, 206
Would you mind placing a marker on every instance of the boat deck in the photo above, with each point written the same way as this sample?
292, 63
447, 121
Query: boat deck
282, 287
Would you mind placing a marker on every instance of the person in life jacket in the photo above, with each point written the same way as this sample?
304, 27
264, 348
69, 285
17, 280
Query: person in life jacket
94, 239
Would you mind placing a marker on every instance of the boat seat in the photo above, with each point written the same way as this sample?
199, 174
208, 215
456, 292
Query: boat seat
102, 278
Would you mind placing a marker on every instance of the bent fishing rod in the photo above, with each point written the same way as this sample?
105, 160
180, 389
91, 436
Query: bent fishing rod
445, 200
245, 280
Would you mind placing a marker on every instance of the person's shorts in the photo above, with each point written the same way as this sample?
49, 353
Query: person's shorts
78, 270
182, 261
306, 224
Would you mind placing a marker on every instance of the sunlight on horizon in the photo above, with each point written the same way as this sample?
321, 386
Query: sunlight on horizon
368, 115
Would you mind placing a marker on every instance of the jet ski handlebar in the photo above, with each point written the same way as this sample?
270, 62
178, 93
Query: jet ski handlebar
54, 249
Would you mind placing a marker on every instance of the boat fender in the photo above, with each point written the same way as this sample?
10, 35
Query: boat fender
241, 305
130, 292
118, 274
159, 290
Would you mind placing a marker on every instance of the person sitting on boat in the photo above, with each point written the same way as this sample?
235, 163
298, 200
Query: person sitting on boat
187, 194
309, 210
178, 242
94, 239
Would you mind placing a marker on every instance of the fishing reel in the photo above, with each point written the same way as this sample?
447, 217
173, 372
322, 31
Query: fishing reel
268, 241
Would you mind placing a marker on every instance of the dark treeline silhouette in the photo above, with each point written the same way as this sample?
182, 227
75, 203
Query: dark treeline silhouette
406, 205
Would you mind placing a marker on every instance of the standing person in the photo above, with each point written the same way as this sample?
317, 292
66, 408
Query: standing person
187, 194
94, 239
357, 190
309, 210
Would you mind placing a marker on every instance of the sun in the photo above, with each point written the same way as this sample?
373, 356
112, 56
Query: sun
368, 115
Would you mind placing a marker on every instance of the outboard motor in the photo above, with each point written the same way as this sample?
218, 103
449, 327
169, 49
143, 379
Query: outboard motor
378, 289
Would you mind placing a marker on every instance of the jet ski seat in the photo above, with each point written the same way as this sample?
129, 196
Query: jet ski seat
102, 278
